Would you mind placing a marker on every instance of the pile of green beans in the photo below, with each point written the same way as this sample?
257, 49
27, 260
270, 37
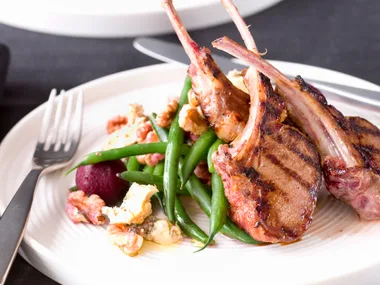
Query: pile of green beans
174, 177
173, 153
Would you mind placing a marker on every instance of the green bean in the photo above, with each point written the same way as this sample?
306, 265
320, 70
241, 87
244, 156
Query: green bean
213, 148
187, 225
161, 132
196, 153
159, 169
73, 189
219, 203
183, 220
219, 207
148, 169
133, 164
127, 151
147, 178
160, 198
200, 195
172, 154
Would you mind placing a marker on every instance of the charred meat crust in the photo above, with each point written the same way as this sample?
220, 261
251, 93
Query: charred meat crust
364, 136
269, 210
225, 106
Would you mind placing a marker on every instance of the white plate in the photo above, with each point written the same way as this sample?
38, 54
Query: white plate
337, 249
117, 18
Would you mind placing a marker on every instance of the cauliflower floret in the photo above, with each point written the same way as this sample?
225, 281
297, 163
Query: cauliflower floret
237, 79
135, 208
191, 120
128, 241
83, 209
127, 134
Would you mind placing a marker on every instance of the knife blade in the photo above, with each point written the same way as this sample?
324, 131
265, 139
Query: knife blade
171, 52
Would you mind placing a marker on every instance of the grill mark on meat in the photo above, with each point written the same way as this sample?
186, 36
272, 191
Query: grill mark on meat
369, 148
361, 130
367, 152
294, 149
254, 177
263, 208
251, 173
287, 170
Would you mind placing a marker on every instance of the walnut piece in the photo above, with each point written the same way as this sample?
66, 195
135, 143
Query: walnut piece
128, 241
127, 134
116, 123
164, 119
83, 209
143, 131
191, 120
201, 171
146, 134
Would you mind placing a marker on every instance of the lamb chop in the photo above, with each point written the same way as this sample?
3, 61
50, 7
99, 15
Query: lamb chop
348, 146
224, 106
271, 172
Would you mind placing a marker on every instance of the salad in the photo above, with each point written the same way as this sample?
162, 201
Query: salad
150, 157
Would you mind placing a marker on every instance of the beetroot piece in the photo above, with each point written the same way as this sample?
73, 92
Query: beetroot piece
101, 179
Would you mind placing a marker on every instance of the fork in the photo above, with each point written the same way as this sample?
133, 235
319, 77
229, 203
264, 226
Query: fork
57, 143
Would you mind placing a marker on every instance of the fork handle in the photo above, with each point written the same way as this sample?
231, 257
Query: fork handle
13, 222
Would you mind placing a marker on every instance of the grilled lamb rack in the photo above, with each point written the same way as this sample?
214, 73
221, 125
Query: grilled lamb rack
348, 146
224, 106
271, 172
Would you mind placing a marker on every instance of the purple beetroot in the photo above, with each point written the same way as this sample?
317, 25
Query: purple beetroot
101, 179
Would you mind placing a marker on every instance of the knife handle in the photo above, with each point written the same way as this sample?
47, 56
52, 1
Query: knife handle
4, 64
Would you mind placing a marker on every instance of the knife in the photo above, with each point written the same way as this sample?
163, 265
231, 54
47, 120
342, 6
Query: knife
170, 52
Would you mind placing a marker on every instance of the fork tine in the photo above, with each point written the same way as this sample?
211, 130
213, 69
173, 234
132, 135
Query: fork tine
47, 116
68, 114
76, 124
54, 131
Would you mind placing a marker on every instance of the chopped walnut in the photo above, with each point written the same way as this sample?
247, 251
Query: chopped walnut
143, 131
148, 135
135, 111
201, 171
116, 123
83, 209
164, 119
191, 120
127, 134
128, 241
